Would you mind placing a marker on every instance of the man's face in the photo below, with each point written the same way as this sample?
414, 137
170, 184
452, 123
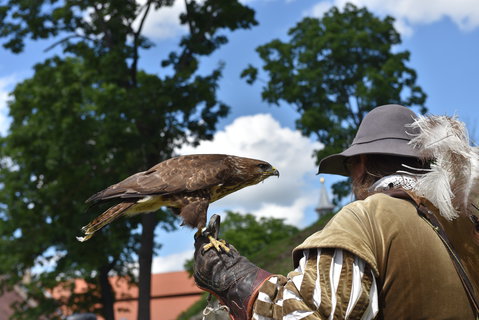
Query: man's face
357, 167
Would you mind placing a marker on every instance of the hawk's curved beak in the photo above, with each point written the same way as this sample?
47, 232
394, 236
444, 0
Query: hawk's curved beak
274, 172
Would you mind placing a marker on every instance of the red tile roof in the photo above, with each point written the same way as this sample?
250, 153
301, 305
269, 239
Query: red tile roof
171, 294
6, 299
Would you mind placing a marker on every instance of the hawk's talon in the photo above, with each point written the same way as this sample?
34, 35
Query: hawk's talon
85, 238
217, 244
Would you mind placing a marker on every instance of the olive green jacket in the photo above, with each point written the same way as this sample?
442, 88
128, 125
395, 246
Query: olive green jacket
415, 275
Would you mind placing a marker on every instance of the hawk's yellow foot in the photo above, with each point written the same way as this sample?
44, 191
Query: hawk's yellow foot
217, 244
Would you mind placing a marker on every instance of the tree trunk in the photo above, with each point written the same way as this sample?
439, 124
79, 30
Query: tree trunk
145, 256
107, 295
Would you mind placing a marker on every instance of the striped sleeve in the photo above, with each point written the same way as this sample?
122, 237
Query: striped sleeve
327, 284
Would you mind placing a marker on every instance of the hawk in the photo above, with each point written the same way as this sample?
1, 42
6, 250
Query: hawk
186, 184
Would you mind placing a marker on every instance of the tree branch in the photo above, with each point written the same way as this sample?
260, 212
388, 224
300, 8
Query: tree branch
142, 22
188, 17
103, 25
136, 44
67, 38
358, 113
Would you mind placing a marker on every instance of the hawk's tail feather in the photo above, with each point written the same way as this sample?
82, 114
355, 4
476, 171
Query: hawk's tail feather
103, 195
105, 218
95, 198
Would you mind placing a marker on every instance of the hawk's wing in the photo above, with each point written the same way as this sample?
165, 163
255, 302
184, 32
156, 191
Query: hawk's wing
180, 174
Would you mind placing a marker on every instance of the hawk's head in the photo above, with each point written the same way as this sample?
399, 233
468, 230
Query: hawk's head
253, 171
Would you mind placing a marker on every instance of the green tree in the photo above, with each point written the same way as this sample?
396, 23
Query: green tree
88, 119
334, 70
250, 234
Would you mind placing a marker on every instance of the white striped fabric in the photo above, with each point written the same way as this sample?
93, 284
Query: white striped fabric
288, 294
373, 308
358, 271
264, 297
317, 288
334, 277
296, 315
334, 274
258, 317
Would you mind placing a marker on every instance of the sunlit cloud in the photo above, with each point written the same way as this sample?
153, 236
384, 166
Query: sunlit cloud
163, 23
6, 86
292, 214
262, 137
411, 13
172, 262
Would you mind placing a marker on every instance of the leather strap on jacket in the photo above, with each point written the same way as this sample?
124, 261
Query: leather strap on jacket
431, 219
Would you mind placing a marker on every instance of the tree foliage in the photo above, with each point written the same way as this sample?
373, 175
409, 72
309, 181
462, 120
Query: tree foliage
88, 118
250, 234
335, 69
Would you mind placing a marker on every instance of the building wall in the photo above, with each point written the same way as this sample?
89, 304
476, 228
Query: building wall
161, 309
171, 294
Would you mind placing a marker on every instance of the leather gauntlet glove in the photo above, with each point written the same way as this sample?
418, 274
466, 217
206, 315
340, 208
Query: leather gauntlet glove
232, 278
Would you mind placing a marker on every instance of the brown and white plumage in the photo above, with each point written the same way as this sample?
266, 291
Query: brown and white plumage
452, 184
187, 184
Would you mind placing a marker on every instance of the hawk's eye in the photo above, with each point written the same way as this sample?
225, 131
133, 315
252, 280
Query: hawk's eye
264, 166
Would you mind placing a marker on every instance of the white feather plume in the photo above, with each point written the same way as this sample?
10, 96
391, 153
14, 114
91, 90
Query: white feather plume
452, 184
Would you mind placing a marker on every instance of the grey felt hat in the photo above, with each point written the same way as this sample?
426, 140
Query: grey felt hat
382, 131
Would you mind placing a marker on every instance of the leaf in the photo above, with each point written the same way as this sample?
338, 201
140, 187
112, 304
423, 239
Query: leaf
87, 119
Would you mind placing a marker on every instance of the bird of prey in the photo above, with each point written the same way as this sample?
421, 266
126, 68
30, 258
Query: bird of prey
186, 184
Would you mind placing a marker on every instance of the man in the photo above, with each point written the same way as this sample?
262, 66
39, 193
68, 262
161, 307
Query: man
385, 256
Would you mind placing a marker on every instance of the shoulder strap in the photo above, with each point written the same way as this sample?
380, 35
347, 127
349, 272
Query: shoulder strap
431, 220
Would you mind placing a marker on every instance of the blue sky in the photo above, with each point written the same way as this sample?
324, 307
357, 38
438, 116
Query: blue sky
442, 36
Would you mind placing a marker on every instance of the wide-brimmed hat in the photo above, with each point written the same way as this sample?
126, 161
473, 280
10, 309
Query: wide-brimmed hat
384, 130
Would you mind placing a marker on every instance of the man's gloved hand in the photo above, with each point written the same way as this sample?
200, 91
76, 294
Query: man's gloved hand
229, 276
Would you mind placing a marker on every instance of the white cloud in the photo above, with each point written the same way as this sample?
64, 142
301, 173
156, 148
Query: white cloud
6, 85
163, 23
292, 214
47, 262
261, 137
249, 2
172, 262
319, 9
410, 13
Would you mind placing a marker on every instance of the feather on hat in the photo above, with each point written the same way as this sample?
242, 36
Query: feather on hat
452, 183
